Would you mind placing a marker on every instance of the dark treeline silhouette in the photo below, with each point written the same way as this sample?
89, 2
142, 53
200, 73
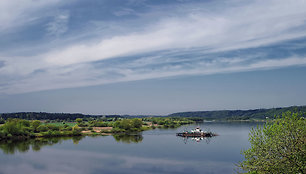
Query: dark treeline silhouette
240, 114
50, 116
220, 114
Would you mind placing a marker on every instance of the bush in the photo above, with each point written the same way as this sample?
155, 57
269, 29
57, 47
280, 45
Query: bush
279, 147
136, 123
76, 132
35, 124
53, 127
42, 128
2, 121
100, 124
67, 128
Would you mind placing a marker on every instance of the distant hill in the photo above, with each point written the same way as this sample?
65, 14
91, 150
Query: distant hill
50, 116
240, 114
222, 114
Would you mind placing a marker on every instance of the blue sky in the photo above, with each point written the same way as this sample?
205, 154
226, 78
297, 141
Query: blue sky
151, 56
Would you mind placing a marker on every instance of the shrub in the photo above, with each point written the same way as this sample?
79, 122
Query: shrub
278, 147
42, 128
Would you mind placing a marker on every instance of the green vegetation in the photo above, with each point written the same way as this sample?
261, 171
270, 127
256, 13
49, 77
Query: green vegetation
100, 123
2, 121
42, 116
228, 115
128, 125
277, 147
169, 122
24, 129
71, 124
255, 114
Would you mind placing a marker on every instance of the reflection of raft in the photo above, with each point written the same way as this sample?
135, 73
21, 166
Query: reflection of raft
189, 134
196, 133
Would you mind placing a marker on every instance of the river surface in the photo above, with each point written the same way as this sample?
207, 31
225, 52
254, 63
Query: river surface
155, 151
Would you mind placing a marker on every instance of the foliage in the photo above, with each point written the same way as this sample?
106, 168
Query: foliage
42, 116
98, 123
35, 124
169, 122
2, 121
277, 147
79, 120
196, 116
128, 125
42, 128
23, 129
71, 124
136, 123
240, 114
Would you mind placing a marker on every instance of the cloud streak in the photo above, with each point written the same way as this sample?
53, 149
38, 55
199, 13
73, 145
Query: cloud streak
59, 25
17, 13
218, 32
197, 40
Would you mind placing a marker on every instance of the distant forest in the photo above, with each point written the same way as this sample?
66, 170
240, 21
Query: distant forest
240, 114
50, 116
222, 114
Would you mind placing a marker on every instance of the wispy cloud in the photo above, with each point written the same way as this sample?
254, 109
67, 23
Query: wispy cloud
59, 25
124, 12
236, 28
187, 41
18, 13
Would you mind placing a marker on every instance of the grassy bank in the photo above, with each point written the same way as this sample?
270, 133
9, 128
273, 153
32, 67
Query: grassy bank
25, 129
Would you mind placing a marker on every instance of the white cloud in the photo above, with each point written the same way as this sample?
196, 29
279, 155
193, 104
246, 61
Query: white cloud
236, 28
246, 25
15, 13
124, 12
87, 74
59, 24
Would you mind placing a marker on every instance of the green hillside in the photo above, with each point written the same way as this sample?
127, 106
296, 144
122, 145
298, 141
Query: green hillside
240, 114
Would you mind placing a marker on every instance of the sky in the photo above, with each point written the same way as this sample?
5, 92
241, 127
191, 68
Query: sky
151, 56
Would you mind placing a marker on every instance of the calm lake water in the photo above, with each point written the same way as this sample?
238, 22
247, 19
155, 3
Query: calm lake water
155, 151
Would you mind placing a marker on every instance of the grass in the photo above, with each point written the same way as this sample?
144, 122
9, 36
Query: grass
61, 124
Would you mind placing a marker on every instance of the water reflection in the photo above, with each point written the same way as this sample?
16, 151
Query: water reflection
196, 139
154, 151
13, 146
128, 138
23, 146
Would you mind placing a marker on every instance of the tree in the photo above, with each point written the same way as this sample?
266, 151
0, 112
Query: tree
79, 120
2, 121
125, 124
35, 125
278, 147
137, 123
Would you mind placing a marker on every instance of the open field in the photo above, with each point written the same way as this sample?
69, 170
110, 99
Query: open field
61, 124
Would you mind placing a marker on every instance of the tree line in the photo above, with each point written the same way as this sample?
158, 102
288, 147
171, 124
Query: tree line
51, 116
240, 114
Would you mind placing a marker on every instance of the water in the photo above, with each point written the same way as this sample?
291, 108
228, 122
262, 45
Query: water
155, 151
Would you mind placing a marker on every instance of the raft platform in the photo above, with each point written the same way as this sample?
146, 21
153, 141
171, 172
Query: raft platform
196, 134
